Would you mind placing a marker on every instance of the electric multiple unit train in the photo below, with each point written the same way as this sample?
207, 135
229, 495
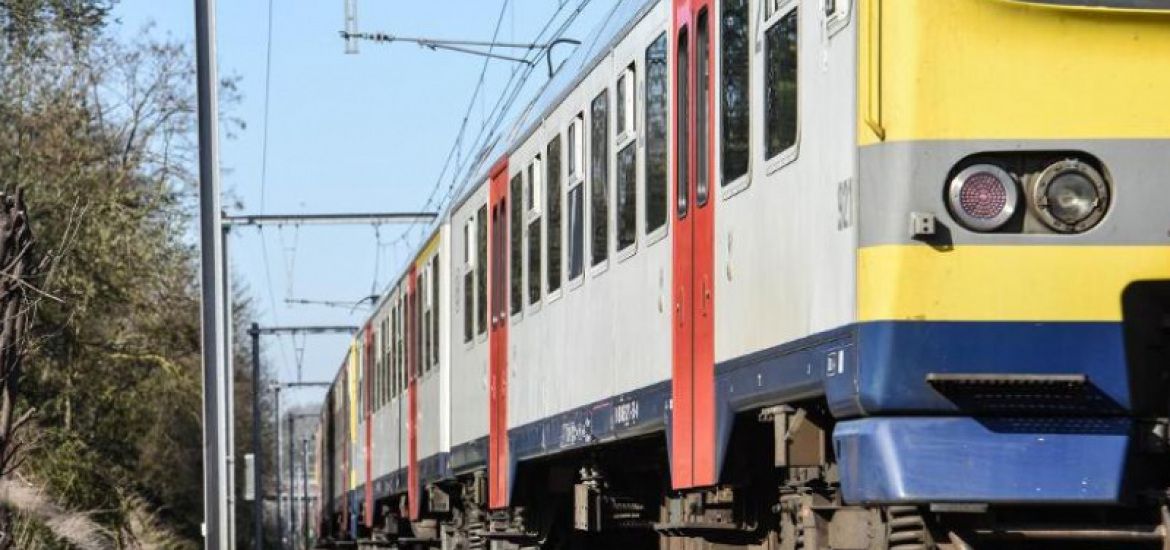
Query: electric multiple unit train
846, 274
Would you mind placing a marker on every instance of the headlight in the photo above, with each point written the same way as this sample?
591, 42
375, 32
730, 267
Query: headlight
983, 197
1070, 196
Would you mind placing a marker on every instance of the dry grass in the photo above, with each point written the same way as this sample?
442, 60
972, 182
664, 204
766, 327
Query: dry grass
75, 528
143, 530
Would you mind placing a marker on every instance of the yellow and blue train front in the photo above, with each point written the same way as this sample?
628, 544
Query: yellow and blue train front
1013, 337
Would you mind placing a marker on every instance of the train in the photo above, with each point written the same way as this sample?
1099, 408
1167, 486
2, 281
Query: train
781, 274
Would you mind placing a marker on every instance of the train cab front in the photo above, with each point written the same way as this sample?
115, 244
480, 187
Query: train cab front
1013, 269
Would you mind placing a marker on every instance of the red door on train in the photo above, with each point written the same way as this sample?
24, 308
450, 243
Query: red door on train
693, 349
497, 269
410, 304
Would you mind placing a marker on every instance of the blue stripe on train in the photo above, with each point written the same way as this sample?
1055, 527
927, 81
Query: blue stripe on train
895, 358
880, 368
964, 459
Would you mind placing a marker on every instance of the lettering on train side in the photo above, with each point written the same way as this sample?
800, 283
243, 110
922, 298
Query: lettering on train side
625, 414
576, 433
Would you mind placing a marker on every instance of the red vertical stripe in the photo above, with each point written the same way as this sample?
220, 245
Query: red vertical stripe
412, 357
693, 315
704, 266
498, 337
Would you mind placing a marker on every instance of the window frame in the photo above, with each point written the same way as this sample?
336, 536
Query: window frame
396, 345
623, 254
789, 155
574, 134
574, 150
481, 270
575, 281
836, 21
550, 294
387, 389
728, 189
626, 89
622, 140
596, 269
517, 219
642, 174
702, 91
467, 297
428, 308
437, 315
533, 170
420, 367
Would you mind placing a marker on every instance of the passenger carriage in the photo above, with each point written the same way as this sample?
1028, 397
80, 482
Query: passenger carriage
791, 274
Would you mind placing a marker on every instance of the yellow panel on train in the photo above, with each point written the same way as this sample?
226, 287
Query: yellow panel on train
1000, 69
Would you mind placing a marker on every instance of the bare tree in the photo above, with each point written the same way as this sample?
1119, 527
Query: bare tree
16, 270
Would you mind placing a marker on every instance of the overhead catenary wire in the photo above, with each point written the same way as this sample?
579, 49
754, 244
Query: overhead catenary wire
264, 175
497, 118
484, 137
502, 106
377, 257
452, 152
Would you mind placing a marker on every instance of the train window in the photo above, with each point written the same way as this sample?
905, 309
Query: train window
657, 112
702, 108
553, 206
627, 195
625, 104
468, 280
375, 362
534, 175
576, 231
387, 388
534, 281
682, 126
400, 339
575, 145
436, 281
417, 302
481, 269
622, 94
734, 100
384, 364
360, 375
780, 88
516, 230
393, 352
425, 329
599, 175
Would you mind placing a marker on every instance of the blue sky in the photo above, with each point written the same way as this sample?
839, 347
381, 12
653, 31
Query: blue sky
366, 132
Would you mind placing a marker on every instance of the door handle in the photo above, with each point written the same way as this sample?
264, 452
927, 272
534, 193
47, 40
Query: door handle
706, 294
